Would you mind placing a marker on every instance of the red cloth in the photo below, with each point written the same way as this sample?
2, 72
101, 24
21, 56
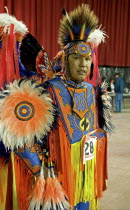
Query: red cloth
9, 68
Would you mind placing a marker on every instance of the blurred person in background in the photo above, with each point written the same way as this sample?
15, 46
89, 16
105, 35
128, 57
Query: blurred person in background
119, 90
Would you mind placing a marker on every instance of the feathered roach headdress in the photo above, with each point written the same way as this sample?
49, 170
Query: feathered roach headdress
77, 25
78, 34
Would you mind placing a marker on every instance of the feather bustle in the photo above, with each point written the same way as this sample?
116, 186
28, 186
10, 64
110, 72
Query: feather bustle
38, 125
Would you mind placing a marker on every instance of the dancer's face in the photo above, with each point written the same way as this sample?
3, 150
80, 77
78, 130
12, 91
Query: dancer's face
79, 67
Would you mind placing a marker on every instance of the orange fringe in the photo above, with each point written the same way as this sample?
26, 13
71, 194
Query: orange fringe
101, 166
24, 182
9, 199
54, 147
65, 171
60, 152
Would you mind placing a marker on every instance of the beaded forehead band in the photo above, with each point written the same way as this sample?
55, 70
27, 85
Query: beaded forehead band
81, 48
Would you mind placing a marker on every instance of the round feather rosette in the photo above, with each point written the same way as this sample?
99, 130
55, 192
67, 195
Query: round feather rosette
26, 113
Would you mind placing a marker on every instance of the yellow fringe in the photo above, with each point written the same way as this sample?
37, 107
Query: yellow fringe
3, 179
84, 189
94, 204
15, 199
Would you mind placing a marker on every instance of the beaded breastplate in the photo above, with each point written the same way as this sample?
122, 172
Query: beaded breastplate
76, 104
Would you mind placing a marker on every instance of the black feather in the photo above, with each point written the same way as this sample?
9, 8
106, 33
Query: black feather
63, 10
29, 50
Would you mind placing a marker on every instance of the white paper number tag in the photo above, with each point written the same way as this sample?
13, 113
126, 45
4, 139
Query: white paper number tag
89, 145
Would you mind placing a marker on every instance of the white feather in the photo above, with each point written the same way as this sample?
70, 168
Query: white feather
34, 205
96, 37
6, 20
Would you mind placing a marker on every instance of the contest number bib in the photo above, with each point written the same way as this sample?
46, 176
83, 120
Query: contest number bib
89, 146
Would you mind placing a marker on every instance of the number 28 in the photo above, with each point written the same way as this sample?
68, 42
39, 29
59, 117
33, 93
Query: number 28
89, 148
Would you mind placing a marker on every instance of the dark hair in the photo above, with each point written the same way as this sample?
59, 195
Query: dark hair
117, 74
91, 71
